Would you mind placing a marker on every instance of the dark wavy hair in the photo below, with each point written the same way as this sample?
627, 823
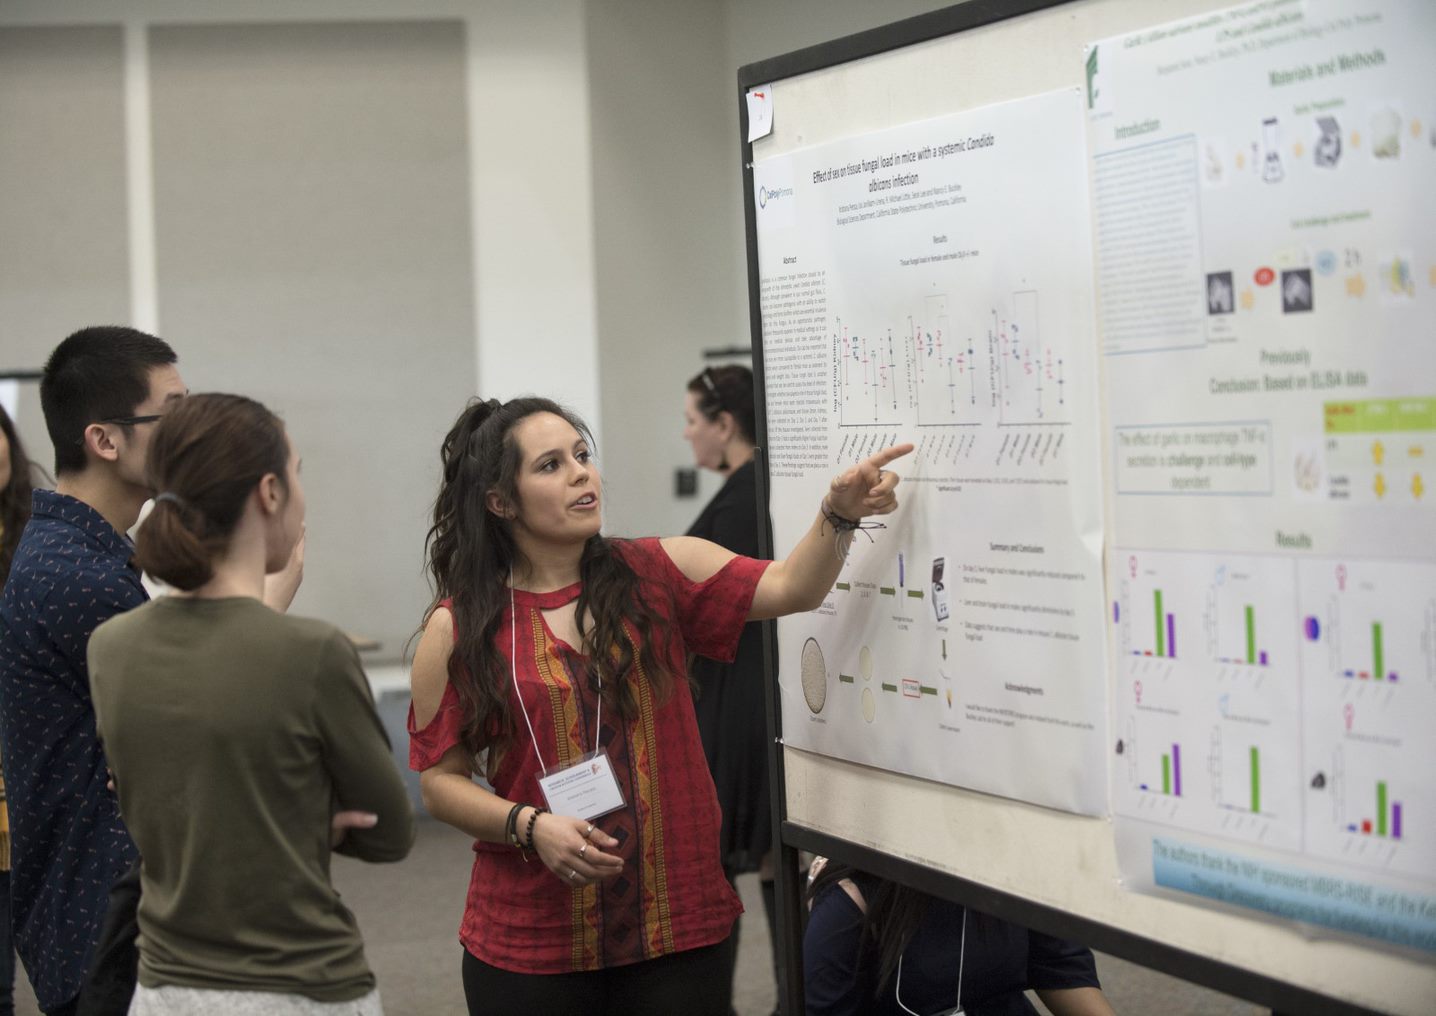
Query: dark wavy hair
208, 452
471, 550
14, 496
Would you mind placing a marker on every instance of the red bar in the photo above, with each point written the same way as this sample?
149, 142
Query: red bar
1366, 826
1363, 675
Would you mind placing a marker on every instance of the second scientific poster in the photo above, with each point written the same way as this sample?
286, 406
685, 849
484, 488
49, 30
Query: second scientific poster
1264, 218
932, 283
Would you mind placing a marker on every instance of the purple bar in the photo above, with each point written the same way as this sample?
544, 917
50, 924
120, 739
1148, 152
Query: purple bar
1171, 637
1176, 766
1392, 677
1396, 820
1263, 657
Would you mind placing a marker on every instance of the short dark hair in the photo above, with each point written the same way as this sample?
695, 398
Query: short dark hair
95, 374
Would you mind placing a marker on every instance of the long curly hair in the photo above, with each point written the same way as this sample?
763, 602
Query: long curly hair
14, 496
471, 551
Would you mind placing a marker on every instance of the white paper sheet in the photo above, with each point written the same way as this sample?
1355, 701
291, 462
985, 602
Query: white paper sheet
1267, 277
932, 283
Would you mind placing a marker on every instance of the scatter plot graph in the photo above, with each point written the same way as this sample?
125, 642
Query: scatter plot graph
866, 376
950, 366
1028, 378
942, 371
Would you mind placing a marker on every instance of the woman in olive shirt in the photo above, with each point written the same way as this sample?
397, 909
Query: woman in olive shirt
234, 733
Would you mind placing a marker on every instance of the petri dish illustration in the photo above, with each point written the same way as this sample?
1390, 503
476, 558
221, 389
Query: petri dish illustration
814, 673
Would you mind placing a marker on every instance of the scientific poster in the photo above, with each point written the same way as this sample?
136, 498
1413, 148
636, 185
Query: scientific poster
932, 283
1265, 231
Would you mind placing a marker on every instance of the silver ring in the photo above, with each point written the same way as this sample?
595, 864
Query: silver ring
582, 849
573, 874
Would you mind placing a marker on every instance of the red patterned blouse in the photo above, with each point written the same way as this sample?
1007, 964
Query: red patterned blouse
671, 895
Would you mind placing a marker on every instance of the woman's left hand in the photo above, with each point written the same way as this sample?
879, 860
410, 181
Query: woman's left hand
867, 488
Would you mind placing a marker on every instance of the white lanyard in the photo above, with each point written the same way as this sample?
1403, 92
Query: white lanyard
961, 955
514, 670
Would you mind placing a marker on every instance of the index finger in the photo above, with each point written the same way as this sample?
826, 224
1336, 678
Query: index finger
890, 453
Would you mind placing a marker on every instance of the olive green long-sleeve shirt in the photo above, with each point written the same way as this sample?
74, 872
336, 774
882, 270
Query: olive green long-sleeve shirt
234, 733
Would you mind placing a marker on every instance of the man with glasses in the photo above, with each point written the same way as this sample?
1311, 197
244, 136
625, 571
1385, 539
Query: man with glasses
102, 392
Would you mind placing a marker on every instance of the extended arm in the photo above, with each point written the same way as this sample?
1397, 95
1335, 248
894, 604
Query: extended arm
801, 580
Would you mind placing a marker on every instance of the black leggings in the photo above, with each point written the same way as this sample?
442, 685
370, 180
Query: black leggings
696, 982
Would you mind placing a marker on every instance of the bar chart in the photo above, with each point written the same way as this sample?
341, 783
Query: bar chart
1368, 808
1155, 611
1171, 774
1367, 637
1243, 599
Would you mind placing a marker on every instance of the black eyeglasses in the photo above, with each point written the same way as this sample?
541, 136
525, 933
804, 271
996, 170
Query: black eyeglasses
127, 421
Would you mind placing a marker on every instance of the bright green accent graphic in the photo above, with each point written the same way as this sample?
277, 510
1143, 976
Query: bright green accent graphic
1380, 416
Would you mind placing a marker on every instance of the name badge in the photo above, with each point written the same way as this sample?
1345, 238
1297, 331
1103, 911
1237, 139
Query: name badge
586, 789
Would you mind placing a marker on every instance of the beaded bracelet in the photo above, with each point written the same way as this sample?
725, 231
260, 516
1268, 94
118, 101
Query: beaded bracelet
533, 820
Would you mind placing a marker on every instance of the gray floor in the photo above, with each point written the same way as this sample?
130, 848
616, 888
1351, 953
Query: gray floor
410, 917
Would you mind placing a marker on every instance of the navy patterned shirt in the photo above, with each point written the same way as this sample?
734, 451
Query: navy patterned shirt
71, 572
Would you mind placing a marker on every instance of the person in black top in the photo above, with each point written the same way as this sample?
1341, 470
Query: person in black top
876, 947
720, 425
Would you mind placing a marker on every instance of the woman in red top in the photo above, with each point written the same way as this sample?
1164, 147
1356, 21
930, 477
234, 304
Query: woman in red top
553, 662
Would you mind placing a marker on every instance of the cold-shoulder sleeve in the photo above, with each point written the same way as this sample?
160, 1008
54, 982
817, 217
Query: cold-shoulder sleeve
709, 615
440, 734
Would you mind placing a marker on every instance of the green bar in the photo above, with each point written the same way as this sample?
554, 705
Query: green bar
924, 689
845, 678
1161, 631
844, 587
1256, 780
888, 590
1380, 807
1378, 674
889, 687
1251, 634
1166, 774
916, 594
